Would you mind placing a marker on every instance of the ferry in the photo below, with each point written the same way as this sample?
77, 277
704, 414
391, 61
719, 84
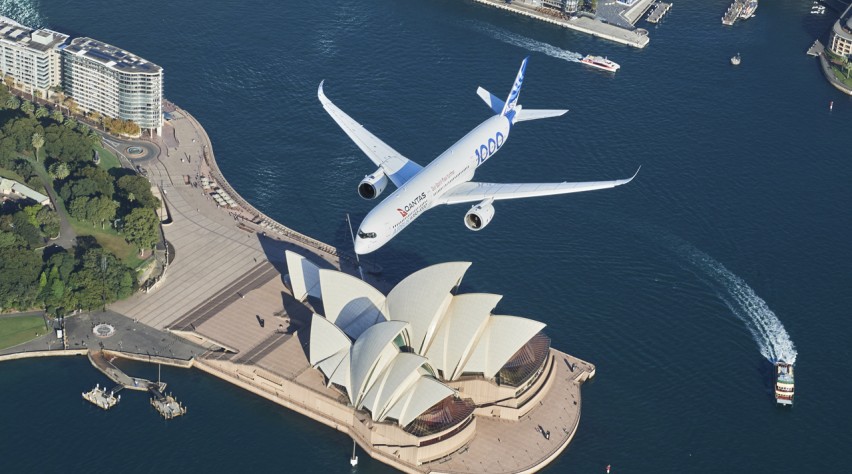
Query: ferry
748, 9
600, 63
784, 383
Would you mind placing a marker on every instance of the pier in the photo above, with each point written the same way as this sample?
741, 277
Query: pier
660, 9
733, 13
101, 398
166, 405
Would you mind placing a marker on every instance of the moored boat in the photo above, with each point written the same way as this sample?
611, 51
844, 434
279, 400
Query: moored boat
749, 9
600, 63
784, 383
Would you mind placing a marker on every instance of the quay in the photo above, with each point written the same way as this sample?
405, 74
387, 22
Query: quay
637, 38
660, 9
733, 13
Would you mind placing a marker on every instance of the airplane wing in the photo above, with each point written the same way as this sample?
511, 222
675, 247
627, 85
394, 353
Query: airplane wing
397, 167
474, 192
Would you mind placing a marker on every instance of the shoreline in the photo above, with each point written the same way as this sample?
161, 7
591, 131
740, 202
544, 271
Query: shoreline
585, 25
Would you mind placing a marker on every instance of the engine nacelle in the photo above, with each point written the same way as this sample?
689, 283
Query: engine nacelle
479, 215
371, 186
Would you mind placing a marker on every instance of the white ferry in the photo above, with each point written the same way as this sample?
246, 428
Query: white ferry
600, 63
784, 383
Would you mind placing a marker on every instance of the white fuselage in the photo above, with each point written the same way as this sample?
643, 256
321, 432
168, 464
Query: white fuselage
453, 167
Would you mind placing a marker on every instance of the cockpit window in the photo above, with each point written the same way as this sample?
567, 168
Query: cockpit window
366, 235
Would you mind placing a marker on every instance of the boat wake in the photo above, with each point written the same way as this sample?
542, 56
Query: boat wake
771, 337
526, 43
25, 12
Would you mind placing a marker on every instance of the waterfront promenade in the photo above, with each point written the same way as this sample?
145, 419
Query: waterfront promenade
636, 38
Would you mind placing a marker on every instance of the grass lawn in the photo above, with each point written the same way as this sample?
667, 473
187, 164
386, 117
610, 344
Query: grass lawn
841, 76
9, 174
20, 329
108, 159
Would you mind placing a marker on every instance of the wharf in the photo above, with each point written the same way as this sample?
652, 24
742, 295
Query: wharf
101, 398
660, 9
100, 361
733, 13
816, 49
636, 38
166, 405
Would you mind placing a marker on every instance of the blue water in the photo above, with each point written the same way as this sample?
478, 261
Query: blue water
679, 286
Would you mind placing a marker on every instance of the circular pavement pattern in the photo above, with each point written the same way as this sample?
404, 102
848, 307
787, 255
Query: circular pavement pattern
103, 330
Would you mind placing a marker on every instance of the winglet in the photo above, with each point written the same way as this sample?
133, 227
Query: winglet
512, 100
634, 174
320, 93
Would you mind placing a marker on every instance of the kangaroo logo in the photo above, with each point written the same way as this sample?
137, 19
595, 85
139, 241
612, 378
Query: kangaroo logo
401, 212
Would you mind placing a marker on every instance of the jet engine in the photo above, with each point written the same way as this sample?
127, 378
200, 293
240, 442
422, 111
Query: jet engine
479, 215
372, 185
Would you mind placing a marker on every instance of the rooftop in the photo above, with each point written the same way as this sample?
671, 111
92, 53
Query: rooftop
111, 56
38, 40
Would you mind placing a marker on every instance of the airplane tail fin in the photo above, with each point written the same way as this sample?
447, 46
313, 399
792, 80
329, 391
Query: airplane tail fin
512, 100
510, 108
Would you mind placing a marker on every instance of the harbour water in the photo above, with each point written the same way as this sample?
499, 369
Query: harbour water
730, 247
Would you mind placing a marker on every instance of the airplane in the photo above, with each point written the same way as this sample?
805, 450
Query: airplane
447, 179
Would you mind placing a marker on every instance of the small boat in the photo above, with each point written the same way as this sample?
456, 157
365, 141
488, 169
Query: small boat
748, 9
600, 63
784, 383
736, 60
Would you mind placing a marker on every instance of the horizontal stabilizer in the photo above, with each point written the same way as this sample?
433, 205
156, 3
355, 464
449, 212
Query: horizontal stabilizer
535, 114
490, 100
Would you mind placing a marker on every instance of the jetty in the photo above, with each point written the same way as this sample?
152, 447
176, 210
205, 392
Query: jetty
102, 398
660, 9
166, 405
733, 12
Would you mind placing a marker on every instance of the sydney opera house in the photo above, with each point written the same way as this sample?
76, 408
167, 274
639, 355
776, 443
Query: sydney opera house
424, 364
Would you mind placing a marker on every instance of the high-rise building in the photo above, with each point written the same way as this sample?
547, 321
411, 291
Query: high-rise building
113, 82
31, 57
840, 42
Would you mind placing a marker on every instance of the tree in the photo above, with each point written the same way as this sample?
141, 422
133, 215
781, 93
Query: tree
48, 220
57, 116
79, 208
41, 112
71, 105
132, 188
102, 209
38, 142
59, 170
140, 228
28, 108
19, 274
13, 103
100, 279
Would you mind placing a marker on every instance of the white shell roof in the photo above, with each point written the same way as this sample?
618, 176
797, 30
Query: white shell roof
326, 340
400, 374
430, 290
304, 276
370, 354
422, 395
503, 336
455, 334
459, 332
350, 303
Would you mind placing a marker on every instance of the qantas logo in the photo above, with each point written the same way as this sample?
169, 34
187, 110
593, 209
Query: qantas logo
410, 206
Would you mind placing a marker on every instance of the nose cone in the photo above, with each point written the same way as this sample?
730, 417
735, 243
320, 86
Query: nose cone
361, 246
